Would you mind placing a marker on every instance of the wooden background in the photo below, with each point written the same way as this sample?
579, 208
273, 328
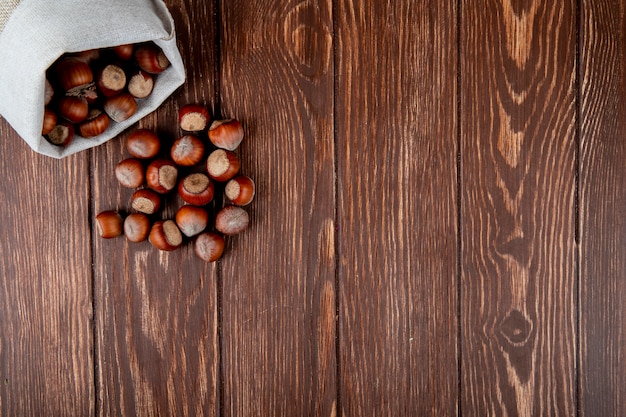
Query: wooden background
439, 226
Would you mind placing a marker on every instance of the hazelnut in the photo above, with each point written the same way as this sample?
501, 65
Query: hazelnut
193, 117
109, 224
136, 227
191, 220
196, 189
120, 107
222, 165
231, 220
96, 123
130, 173
161, 176
145, 201
165, 235
187, 150
240, 190
143, 144
226, 134
209, 246
151, 58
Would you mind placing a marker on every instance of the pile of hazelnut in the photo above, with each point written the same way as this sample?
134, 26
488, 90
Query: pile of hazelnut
154, 176
87, 90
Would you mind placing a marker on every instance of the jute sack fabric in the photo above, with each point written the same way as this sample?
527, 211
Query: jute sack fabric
37, 32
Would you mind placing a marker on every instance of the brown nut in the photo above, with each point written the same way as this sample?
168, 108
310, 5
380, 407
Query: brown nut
222, 165
143, 144
136, 227
130, 173
191, 220
161, 175
209, 246
193, 117
109, 224
151, 58
196, 189
145, 201
120, 107
165, 235
231, 220
226, 134
96, 123
187, 150
240, 190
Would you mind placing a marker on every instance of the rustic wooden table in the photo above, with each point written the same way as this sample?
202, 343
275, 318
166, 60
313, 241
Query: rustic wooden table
439, 226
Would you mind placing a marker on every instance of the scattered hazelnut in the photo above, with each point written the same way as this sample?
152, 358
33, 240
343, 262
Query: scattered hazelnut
231, 220
165, 235
196, 189
226, 134
130, 173
193, 117
191, 220
161, 176
187, 150
143, 144
240, 190
145, 201
222, 165
209, 246
109, 224
136, 227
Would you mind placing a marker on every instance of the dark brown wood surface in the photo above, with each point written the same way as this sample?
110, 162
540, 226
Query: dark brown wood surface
518, 170
438, 228
602, 208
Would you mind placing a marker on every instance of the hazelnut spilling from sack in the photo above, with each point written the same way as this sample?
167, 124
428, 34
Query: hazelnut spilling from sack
35, 34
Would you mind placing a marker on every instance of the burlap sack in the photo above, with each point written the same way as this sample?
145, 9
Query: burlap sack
37, 32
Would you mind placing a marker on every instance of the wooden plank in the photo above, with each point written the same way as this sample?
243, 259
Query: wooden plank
156, 312
518, 208
278, 277
397, 145
46, 361
603, 208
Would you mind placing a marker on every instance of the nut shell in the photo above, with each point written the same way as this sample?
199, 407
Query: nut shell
136, 227
226, 134
109, 224
191, 220
209, 246
187, 150
196, 189
165, 235
143, 144
222, 165
161, 175
130, 173
232, 220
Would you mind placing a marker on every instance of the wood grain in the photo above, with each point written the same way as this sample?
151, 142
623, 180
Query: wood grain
278, 303
518, 152
603, 208
156, 312
396, 124
46, 337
